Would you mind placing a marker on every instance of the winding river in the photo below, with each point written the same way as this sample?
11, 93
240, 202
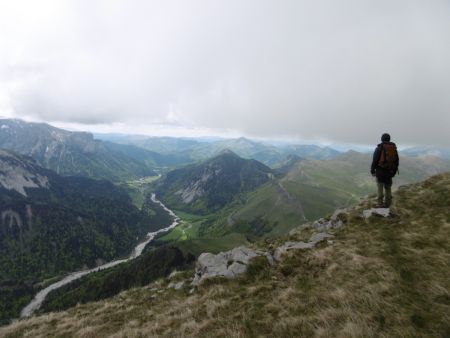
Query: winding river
36, 303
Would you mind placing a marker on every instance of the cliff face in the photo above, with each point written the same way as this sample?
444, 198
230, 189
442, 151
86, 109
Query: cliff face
19, 173
377, 277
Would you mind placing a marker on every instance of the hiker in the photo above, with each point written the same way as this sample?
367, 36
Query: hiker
384, 167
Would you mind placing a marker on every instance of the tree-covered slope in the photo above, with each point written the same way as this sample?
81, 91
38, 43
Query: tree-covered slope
378, 277
152, 264
208, 186
52, 224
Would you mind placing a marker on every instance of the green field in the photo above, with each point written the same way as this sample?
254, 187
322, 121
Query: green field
136, 189
188, 237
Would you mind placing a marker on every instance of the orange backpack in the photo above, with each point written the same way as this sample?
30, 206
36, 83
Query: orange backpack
388, 157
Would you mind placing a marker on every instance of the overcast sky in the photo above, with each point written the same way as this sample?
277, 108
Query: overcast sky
343, 71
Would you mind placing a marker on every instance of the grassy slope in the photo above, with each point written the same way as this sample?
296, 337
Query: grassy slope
187, 238
316, 188
379, 278
310, 190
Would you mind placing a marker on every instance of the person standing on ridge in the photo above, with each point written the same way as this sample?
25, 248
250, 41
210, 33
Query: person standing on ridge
384, 166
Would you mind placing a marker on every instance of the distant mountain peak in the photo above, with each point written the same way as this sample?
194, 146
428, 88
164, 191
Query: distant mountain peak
228, 152
208, 186
244, 139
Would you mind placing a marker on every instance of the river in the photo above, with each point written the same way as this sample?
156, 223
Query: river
37, 301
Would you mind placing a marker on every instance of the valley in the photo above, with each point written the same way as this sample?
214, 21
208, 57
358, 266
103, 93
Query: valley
54, 224
381, 276
39, 298
224, 169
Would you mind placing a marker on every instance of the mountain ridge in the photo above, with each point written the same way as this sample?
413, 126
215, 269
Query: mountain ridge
194, 150
70, 153
377, 277
209, 185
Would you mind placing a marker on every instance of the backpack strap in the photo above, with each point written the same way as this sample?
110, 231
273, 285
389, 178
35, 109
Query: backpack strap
382, 153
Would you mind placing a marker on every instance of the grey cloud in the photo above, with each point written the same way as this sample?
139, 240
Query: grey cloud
343, 71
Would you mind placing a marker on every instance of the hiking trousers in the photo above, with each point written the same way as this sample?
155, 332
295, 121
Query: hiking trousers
384, 193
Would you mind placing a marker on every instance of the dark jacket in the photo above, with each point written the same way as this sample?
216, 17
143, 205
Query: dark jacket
383, 175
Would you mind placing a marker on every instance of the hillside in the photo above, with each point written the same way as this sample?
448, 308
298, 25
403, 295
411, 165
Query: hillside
52, 224
309, 189
76, 153
378, 277
208, 186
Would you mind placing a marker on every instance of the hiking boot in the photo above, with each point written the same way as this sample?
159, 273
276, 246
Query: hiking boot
379, 204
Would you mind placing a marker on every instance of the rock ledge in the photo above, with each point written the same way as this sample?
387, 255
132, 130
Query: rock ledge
231, 263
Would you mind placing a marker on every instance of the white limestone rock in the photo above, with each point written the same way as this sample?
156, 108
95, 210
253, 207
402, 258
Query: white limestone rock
316, 238
232, 263
227, 264
15, 174
333, 223
384, 212
176, 286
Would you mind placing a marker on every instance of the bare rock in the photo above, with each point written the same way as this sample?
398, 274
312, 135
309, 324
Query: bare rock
384, 212
316, 238
232, 263
16, 174
227, 264
334, 222
176, 286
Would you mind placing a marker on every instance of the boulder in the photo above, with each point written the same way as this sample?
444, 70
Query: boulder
225, 264
384, 212
334, 222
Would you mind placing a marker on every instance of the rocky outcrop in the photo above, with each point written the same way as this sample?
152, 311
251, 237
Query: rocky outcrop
225, 264
232, 263
384, 212
334, 222
283, 249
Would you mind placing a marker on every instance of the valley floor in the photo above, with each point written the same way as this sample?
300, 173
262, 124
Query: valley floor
380, 277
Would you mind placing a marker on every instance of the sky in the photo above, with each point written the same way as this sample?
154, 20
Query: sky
337, 71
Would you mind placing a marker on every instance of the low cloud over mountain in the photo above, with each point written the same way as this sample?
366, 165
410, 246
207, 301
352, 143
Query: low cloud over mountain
268, 69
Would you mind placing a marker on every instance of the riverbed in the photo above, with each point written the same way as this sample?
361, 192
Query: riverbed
39, 298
